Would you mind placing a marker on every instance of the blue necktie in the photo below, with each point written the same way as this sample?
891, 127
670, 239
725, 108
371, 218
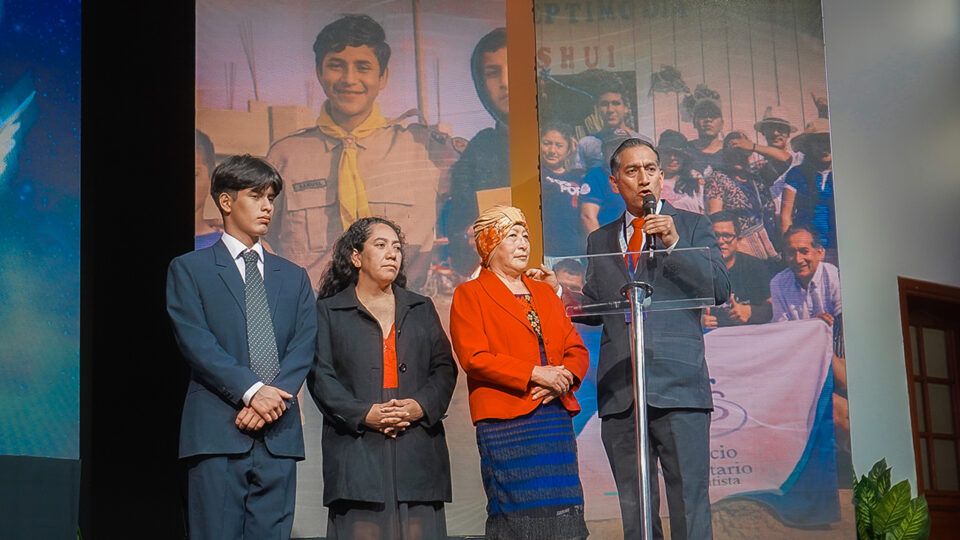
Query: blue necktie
262, 343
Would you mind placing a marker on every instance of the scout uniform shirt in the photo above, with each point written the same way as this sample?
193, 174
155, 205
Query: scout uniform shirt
404, 170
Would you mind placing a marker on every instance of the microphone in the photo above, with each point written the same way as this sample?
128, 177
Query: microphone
649, 207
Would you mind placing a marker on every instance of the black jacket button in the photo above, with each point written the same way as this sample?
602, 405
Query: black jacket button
403, 368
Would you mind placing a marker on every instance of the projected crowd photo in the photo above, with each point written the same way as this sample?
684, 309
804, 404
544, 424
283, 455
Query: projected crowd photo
373, 139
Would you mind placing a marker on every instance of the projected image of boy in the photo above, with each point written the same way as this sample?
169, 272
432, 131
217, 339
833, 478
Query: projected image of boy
352, 164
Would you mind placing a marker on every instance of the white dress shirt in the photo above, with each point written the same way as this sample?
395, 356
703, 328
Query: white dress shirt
625, 234
237, 249
792, 301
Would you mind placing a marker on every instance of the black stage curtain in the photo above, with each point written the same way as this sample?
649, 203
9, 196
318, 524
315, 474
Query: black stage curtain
137, 192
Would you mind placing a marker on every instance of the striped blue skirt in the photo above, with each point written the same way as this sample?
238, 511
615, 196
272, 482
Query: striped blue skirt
531, 477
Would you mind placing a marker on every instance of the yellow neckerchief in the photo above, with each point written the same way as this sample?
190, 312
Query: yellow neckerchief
350, 187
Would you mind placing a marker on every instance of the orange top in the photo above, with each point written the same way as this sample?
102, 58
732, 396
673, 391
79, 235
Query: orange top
498, 348
390, 360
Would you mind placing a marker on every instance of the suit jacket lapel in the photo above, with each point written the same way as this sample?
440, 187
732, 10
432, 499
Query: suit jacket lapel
230, 275
500, 294
271, 281
613, 246
404, 301
668, 209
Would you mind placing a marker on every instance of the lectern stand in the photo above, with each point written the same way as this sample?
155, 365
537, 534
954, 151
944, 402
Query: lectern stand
652, 281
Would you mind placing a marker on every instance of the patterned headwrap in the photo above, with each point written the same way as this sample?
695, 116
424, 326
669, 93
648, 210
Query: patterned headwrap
491, 228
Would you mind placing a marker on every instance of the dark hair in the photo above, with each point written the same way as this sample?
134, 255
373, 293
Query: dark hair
707, 108
204, 146
340, 272
686, 183
672, 141
611, 85
796, 229
570, 266
630, 143
805, 147
237, 173
734, 156
495, 40
352, 31
724, 216
566, 131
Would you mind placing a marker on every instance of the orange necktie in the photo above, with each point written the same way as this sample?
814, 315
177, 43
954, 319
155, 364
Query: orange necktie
635, 244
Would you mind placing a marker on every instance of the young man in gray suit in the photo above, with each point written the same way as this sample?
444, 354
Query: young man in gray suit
246, 324
678, 387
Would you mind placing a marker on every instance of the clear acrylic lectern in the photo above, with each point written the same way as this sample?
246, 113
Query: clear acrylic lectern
636, 286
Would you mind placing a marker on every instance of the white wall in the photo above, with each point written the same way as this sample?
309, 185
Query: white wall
893, 74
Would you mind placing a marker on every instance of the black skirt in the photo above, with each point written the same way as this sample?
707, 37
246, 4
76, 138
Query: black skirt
392, 519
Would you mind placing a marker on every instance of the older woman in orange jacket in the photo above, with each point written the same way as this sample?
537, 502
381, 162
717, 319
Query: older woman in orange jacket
523, 360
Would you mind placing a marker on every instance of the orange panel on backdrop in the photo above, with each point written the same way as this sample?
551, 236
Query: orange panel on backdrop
524, 131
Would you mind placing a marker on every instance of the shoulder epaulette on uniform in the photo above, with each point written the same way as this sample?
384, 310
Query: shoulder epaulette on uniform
435, 134
292, 134
297, 132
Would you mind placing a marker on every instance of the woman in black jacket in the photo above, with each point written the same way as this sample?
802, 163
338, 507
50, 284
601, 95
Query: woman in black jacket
383, 378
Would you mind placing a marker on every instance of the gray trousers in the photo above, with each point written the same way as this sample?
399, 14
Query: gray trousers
249, 496
680, 441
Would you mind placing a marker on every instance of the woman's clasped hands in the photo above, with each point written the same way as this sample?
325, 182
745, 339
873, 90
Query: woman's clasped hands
394, 416
550, 382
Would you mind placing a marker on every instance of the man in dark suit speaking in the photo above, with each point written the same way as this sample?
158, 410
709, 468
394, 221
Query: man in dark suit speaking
246, 324
678, 388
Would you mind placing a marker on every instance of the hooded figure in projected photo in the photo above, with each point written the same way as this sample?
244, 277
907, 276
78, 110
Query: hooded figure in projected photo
352, 164
485, 164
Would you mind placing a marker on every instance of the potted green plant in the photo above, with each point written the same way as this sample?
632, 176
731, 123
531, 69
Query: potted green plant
886, 512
